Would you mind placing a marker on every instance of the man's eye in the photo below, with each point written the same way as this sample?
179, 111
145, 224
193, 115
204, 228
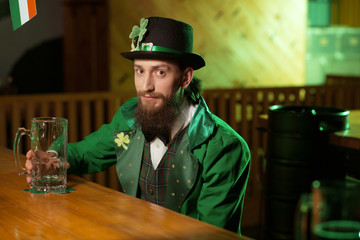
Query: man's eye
139, 71
160, 72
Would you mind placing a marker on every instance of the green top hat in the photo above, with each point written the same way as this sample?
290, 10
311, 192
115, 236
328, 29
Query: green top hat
163, 38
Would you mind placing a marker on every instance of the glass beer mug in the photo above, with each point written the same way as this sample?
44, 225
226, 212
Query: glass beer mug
330, 211
49, 137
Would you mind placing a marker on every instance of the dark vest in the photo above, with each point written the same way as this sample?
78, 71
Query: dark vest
153, 183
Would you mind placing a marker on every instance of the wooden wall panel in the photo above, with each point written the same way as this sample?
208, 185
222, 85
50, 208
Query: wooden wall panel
86, 45
245, 43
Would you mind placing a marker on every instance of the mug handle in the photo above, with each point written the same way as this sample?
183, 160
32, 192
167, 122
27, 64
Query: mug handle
21, 132
302, 217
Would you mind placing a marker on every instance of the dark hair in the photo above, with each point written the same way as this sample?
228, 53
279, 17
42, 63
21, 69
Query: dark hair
193, 91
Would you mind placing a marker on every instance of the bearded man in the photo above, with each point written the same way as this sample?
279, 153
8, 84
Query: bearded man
169, 149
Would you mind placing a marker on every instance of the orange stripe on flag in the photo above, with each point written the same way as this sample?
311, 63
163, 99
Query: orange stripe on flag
32, 8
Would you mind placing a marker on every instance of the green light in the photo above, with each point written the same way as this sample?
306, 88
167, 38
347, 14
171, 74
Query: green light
316, 184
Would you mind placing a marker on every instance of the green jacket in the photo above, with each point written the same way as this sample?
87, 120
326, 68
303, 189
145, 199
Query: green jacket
210, 171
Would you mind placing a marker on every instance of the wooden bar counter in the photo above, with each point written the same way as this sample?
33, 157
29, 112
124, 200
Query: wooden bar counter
90, 212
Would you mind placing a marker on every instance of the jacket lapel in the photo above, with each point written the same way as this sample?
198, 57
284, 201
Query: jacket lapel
127, 145
201, 126
183, 174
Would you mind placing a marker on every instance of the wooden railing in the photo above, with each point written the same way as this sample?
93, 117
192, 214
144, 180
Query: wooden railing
238, 107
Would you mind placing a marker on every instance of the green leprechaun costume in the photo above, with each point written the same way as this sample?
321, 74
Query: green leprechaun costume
203, 173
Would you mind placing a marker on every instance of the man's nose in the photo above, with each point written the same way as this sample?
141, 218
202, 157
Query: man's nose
149, 83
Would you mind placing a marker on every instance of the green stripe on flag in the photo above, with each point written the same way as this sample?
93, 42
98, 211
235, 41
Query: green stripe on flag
15, 13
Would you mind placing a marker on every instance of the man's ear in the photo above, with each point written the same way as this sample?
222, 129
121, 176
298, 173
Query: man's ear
188, 74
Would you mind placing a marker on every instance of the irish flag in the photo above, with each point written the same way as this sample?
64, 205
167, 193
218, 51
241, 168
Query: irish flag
22, 11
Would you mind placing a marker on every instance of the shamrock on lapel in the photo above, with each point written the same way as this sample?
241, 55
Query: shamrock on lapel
121, 140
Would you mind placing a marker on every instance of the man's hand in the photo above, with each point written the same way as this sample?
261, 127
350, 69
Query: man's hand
44, 157
29, 167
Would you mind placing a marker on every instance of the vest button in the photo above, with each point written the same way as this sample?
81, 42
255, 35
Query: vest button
151, 191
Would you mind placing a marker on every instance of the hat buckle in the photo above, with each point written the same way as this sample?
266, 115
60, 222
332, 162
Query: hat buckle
150, 45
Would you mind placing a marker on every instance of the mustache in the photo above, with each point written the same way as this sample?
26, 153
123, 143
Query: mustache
151, 94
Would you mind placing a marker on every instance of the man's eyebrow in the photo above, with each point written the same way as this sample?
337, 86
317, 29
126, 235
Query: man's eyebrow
154, 66
162, 66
